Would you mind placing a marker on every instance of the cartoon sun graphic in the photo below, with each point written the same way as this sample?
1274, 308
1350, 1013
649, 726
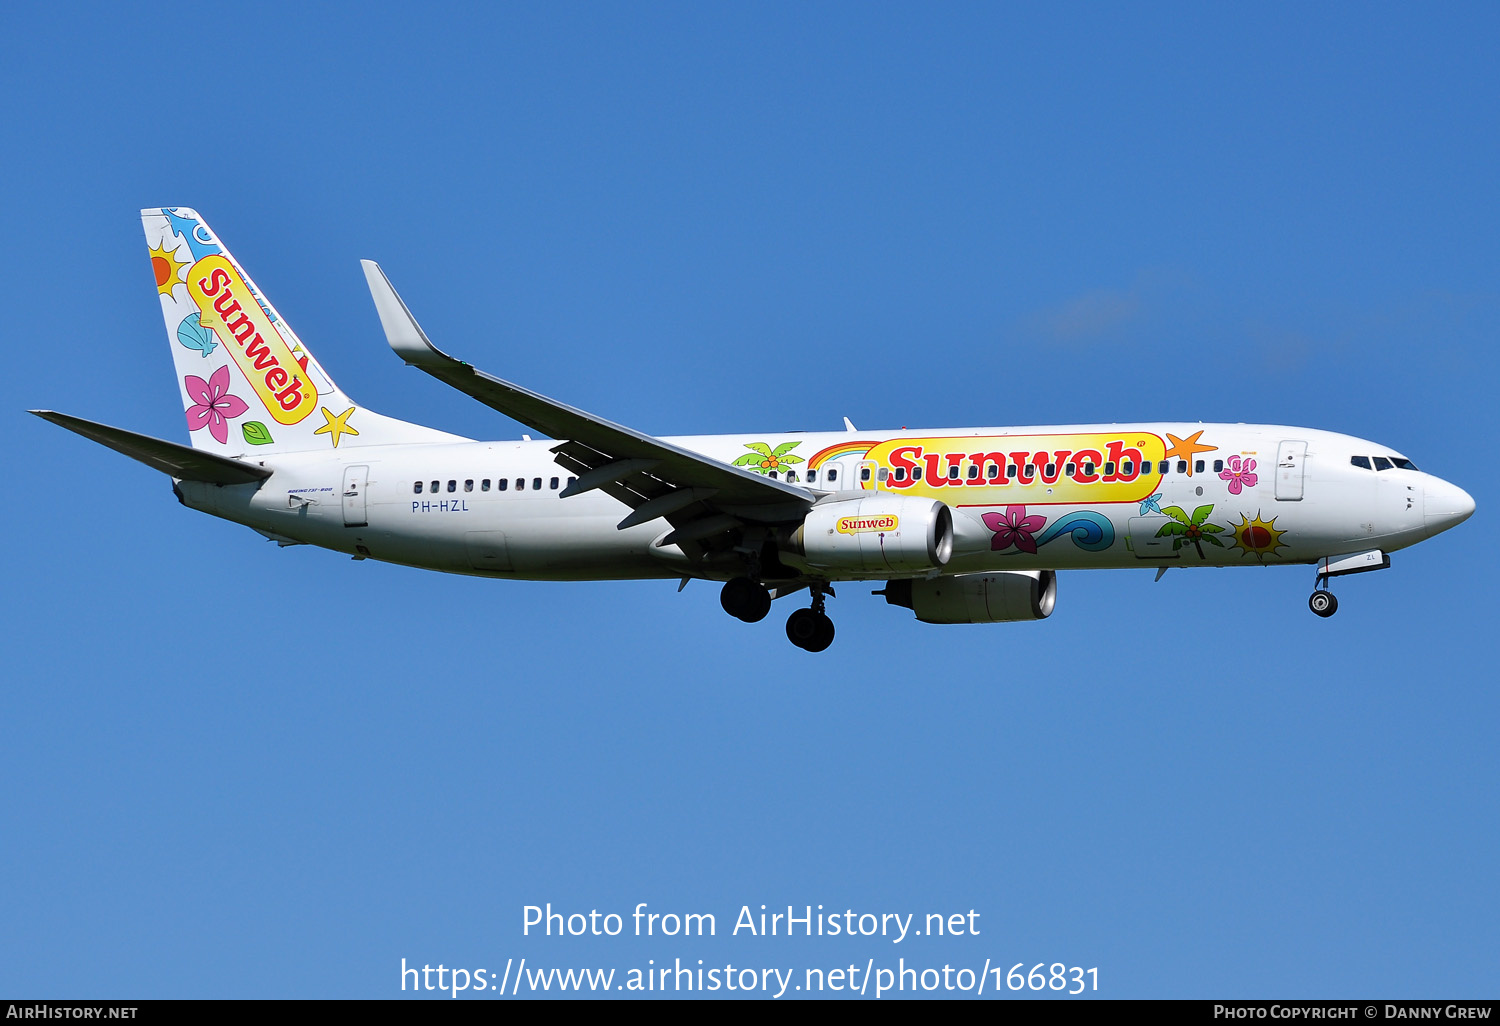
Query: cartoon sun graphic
166, 267
1257, 537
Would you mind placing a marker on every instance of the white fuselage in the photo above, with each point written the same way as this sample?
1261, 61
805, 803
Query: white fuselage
1091, 496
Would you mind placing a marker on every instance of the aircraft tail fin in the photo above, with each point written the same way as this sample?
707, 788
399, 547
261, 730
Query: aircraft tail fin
249, 385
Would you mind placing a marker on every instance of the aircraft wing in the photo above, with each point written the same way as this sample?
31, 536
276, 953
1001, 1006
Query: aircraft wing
657, 479
179, 461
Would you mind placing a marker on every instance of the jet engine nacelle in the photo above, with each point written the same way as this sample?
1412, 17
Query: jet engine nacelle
876, 533
994, 597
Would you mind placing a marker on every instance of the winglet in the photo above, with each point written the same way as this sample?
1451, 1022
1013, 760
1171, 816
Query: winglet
401, 329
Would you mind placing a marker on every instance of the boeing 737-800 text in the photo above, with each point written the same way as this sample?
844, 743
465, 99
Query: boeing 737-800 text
963, 525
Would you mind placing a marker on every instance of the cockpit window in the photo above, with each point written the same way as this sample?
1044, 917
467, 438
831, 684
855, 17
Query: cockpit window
1381, 463
1402, 463
1360, 461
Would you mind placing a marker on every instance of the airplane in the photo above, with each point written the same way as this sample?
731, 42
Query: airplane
959, 525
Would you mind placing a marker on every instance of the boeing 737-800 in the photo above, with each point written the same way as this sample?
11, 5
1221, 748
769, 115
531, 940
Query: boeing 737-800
962, 525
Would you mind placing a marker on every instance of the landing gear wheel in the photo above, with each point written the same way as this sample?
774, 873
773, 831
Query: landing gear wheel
824, 637
1323, 603
802, 627
809, 630
745, 599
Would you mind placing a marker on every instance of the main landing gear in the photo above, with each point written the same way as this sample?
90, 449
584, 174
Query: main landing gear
811, 629
746, 599
808, 629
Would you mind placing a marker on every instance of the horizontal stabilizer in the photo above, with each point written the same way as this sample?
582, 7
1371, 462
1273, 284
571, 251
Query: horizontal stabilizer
168, 457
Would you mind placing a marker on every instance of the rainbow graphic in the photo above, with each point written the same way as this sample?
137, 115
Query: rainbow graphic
833, 452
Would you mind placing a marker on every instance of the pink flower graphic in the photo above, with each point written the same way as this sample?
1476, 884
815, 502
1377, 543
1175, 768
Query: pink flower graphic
212, 405
1013, 527
1239, 475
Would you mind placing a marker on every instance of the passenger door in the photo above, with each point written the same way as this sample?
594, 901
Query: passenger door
1290, 460
356, 479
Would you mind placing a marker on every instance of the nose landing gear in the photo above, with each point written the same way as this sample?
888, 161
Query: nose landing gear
811, 629
1323, 603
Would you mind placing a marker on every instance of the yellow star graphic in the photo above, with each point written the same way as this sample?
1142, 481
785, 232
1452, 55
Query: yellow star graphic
1187, 448
336, 427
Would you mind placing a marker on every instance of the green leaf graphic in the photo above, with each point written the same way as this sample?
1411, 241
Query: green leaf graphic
760, 447
255, 433
785, 447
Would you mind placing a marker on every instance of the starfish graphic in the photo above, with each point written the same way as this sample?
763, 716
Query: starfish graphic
1186, 448
1151, 504
336, 427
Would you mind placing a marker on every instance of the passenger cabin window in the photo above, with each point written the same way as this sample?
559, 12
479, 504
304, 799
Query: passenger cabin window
973, 471
536, 484
1088, 470
812, 477
502, 483
1361, 461
520, 484
952, 472
864, 473
1198, 467
1182, 466
916, 473
1165, 466
882, 473
1381, 463
469, 485
484, 485
553, 484
1109, 470
833, 473
1127, 467
1049, 471
900, 474
434, 488
1218, 466
416, 489
772, 475
791, 475
1072, 469
453, 486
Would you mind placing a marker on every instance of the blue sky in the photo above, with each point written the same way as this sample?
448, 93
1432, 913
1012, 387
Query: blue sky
705, 218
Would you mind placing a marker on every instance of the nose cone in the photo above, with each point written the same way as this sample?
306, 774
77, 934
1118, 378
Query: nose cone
1445, 505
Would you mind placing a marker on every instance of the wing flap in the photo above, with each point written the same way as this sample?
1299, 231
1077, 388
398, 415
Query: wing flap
179, 461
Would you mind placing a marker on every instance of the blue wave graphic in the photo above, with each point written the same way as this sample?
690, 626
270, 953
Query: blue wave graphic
1091, 531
